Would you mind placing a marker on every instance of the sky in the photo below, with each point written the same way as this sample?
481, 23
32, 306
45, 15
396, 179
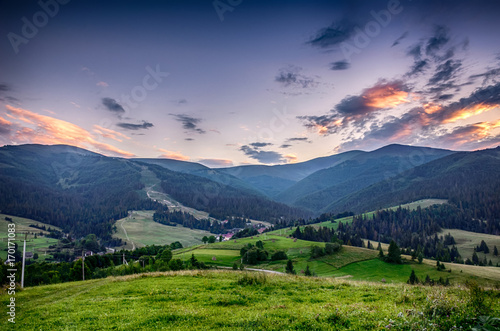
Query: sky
234, 82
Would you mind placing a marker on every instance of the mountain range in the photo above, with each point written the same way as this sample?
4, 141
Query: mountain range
82, 191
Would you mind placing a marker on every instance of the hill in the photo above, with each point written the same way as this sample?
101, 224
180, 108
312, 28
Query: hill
273, 180
241, 301
84, 192
323, 187
469, 180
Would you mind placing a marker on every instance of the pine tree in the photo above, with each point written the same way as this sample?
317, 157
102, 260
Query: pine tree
289, 267
308, 271
394, 253
495, 251
413, 278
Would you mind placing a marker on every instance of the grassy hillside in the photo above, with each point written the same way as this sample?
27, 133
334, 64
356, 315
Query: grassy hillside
351, 262
39, 245
139, 230
239, 301
467, 241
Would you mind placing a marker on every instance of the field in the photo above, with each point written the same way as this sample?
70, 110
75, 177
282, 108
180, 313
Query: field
139, 229
39, 245
230, 300
467, 241
352, 262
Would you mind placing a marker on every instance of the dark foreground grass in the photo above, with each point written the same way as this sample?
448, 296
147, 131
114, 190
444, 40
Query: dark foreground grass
227, 300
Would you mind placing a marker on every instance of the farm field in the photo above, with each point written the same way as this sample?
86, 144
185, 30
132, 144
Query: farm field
38, 245
235, 300
139, 229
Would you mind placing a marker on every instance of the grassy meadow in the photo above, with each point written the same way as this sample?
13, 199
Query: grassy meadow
140, 230
38, 245
235, 300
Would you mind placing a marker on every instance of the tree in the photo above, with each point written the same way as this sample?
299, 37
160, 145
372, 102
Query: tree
235, 266
413, 278
166, 255
204, 239
211, 239
308, 271
420, 257
475, 258
483, 247
289, 267
394, 253
279, 255
221, 238
35, 256
495, 251
193, 261
259, 244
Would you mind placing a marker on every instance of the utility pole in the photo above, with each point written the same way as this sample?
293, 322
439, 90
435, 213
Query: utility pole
24, 258
83, 265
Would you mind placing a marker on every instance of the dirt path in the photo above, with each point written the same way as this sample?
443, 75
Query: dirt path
126, 234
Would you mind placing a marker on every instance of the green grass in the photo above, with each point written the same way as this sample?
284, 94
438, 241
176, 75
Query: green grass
39, 245
142, 230
467, 241
225, 300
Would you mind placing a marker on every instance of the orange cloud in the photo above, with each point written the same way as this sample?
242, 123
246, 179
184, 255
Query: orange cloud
48, 130
474, 133
469, 112
102, 84
385, 96
108, 133
3, 121
292, 158
173, 155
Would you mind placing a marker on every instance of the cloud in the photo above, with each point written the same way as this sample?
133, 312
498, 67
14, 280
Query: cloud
102, 84
189, 123
398, 41
113, 106
472, 136
425, 124
180, 102
359, 109
132, 126
340, 65
291, 77
5, 126
490, 75
291, 158
216, 163
333, 35
41, 129
445, 72
7, 98
298, 139
259, 145
266, 157
189, 139
438, 40
173, 155
288, 142
418, 67
108, 133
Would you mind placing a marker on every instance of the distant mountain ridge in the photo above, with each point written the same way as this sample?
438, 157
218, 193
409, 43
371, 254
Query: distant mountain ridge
325, 186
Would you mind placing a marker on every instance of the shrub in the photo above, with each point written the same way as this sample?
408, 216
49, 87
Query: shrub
258, 278
279, 255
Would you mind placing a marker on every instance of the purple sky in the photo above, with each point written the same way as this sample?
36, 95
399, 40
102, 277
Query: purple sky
244, 82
